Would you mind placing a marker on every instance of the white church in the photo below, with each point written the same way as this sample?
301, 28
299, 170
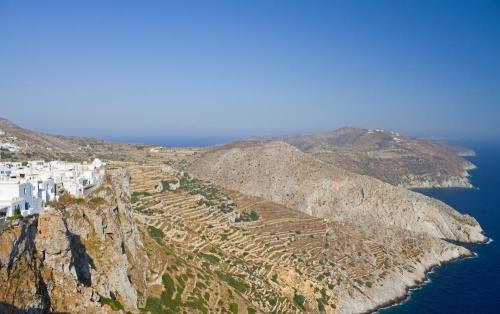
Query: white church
25, 188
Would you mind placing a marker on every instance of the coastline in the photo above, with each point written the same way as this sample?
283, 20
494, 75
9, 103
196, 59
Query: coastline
462, 182
419, 284
457, 181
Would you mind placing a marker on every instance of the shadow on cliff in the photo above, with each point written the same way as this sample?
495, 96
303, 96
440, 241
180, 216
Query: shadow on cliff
6, 308
80, 259
11, 309
24, 244
24, 248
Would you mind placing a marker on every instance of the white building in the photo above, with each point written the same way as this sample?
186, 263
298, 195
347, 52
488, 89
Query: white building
4, 171
10, 147
26, 189
16, 197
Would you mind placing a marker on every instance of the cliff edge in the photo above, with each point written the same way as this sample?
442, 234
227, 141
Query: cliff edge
75, 255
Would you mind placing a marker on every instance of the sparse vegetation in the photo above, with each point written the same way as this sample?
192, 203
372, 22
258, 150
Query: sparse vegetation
64, 201
235, 283
299, 300
96, 202
156, 234
166, 185
233, 308
17, 215
248, 216
211, 258
136, 196
113, 303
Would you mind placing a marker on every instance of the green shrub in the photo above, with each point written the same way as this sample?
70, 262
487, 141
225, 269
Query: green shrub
114, 304
233, 307
235, 283
15, 217
248, 216
136, 196
321, 306
156, 234
299, 300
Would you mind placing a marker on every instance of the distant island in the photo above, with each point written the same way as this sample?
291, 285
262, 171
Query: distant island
320, 223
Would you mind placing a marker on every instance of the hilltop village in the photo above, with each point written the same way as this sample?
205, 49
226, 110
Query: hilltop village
26, 187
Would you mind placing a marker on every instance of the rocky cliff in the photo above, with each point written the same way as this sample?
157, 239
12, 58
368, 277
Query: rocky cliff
281, 173
74, 255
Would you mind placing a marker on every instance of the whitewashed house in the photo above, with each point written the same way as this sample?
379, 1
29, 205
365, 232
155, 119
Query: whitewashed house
13, 148
44, 189
27, 188
16, 197
4, 171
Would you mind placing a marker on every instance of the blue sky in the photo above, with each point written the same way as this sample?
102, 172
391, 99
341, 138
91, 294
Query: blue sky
242, 68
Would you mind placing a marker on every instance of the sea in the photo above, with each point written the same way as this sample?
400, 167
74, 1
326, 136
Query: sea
470, 285
174, 140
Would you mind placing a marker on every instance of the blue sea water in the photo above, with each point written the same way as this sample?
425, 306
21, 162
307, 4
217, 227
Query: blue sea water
469, 285
173, 140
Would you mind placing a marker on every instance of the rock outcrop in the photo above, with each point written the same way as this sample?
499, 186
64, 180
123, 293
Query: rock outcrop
68, 257
281, 173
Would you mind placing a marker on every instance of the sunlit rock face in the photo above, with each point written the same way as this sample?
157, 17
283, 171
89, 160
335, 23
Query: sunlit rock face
66, 258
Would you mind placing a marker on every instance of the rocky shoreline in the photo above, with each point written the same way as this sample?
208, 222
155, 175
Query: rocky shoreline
450, 182
418, 284
425, 278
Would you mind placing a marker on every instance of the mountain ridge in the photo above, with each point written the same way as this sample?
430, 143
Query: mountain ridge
389, 156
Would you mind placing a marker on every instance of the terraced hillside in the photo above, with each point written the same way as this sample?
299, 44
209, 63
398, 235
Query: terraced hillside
281, 173
214, 250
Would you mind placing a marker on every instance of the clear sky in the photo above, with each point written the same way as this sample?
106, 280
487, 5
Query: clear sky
241, 68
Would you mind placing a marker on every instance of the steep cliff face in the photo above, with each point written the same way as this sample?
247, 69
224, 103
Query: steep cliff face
281, 173
21, 283
71, 255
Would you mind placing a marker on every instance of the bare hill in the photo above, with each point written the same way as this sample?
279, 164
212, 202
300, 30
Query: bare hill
38, 145
389, 156
281, 173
